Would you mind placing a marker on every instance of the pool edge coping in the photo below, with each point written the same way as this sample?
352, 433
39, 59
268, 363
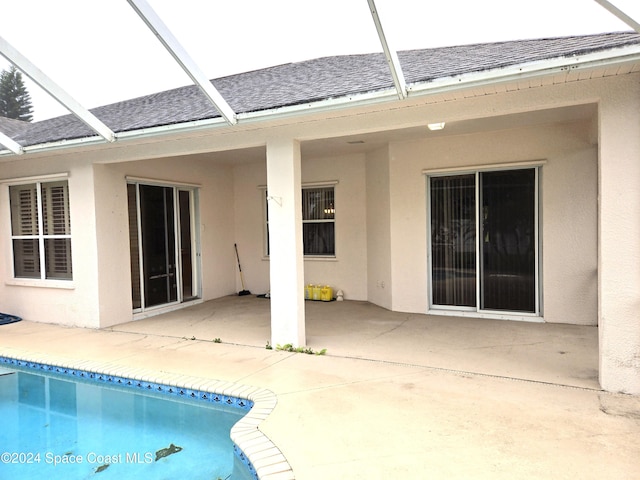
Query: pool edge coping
265, 459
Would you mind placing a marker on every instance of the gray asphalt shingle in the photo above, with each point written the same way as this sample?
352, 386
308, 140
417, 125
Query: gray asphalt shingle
315, 80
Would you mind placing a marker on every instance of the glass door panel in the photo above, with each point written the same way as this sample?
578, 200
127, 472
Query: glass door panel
158, 245
134, 246
453, 240
186, 243
508, 246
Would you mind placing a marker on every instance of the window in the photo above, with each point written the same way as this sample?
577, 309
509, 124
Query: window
483, 249
318, 221
41, 230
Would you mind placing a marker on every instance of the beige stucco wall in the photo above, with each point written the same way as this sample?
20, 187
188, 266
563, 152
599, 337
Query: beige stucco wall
568, 213
619, 236
378, 228
216, 213
381, 208
100, 238
73, 303
112, 237
348, 270
249, 180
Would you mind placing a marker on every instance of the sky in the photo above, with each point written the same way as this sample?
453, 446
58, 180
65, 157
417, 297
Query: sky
100, 51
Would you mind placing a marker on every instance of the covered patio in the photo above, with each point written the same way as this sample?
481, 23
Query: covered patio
549, 353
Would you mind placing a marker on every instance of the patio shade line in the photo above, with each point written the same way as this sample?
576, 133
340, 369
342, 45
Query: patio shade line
620, 14
181, 56
34, 73
391, 55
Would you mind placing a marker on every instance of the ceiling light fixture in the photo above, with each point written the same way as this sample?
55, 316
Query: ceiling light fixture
436, 126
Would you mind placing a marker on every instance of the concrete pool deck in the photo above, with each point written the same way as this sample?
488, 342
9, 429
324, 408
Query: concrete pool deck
397, 395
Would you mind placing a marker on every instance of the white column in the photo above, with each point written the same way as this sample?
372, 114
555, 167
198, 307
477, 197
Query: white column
619, 238
285, 242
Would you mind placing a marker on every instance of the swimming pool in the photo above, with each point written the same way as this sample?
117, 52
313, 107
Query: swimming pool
61, 422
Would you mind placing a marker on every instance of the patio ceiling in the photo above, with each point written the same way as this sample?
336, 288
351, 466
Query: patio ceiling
190, 67
368, 142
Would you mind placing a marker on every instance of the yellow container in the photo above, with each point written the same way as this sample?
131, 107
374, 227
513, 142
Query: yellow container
308, 292
316, 292
326, 294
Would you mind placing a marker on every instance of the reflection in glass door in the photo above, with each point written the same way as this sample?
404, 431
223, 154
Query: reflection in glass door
483, 241
158, 245
508, 240
162, 245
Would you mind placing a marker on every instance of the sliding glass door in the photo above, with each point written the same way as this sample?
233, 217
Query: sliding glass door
483, 248
162, 245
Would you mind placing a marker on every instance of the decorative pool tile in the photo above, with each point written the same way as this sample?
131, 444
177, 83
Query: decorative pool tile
245, 434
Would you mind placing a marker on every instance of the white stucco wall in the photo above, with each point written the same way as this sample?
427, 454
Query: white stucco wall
569, 211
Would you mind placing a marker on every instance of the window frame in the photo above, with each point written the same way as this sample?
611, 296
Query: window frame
41, 236
305, 186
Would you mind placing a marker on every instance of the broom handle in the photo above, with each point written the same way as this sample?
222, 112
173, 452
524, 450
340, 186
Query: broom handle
239, 267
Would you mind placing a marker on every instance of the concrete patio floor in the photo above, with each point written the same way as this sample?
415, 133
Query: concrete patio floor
396, 395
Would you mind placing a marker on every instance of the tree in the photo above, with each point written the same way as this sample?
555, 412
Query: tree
15, 101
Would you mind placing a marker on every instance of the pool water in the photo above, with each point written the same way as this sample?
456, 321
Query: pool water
58, 428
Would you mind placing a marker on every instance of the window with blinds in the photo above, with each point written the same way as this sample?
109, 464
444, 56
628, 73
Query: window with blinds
41, 230
318, 221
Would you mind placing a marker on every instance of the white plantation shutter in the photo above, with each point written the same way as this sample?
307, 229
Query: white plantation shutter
24, 223
55, 205
24, 210
40, 223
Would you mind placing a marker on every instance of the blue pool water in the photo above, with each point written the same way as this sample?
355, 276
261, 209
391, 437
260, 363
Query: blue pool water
55, 427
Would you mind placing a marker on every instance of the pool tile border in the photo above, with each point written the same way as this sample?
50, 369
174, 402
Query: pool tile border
263, 460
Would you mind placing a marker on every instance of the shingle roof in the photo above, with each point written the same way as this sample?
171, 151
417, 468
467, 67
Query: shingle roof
318, 79
12, 128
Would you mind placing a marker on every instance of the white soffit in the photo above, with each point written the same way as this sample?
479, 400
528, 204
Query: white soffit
35, 74
180, 55
620, 14
391, 55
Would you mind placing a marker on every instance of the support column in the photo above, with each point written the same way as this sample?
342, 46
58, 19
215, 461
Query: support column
619, 238
284, 203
